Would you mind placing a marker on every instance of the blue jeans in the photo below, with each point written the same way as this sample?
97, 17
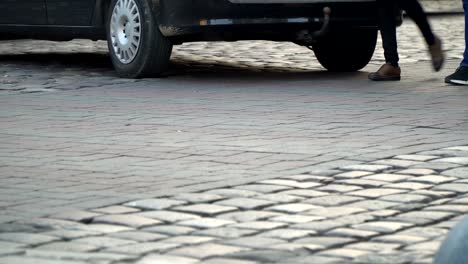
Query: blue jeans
454, 250
465, 60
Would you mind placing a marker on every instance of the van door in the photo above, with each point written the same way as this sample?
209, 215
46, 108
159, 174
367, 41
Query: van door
70, 12
23, 12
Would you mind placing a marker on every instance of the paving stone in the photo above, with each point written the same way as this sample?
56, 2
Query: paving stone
432, 246
387, 177
304, 193
416, 157
27, 238
206, 209
259, 225
406, 198
226, 232
426, 231
407, 207
32, 260
296, 218
292, 208
280, 198
409, 185
291, 183
400, 239
255, 242
198, 197
15, 227
344, 253
461, 200
363, 183
10, 251
385, 258
458, 172
263, 255
71, 234
398, 163
349, 232
373, 204
263, 188
155, 204
319, 226
326, 241
434, 194
383, 213
332, 212
452, 187
246, 203
288, 233
188, 239
340, 188
461, 209
227, 261
139, 236
86, 257
377, 192
460, 148
76, 215
165, 259
206, 250
168, 216
135, 221
231, 193
102, 242
310, 178
248, 216
206, 222
457, 160
352, 174
48, 223
383, 226
69, 246
171, 230
434, 165
333, 200
116, 209
366, 167
315, 259
434, 179
103, 228
432, 215
296, 247
417, 172
375, 246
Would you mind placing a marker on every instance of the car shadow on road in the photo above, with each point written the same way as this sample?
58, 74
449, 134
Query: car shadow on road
92, 63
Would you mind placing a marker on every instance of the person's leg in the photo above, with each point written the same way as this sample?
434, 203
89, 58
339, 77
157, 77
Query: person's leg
465, 59
460, 77
390, 71
415, 11
455, 247
387, 26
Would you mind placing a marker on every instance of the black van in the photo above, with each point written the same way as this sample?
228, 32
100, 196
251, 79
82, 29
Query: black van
141, 33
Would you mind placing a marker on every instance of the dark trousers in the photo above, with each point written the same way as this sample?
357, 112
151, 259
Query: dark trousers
465, 60
387, 24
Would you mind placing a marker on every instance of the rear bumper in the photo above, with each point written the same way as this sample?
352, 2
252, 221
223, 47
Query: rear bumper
193, 20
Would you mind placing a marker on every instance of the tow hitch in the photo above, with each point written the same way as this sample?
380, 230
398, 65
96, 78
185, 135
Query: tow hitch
307, 38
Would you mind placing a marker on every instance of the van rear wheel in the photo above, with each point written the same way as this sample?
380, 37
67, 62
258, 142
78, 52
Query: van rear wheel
346, 51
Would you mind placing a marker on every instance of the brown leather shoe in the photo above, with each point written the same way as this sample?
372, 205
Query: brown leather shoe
386, 73
437, 54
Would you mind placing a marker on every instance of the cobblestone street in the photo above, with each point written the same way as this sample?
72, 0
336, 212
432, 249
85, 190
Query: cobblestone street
246, 152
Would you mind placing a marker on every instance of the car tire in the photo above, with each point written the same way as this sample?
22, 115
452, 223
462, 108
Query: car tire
346, 51
136, 45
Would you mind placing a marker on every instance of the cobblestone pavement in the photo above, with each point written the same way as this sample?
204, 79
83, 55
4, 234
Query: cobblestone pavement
247, 153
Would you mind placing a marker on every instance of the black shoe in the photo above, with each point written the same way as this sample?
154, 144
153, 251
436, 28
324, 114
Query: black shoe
460, 77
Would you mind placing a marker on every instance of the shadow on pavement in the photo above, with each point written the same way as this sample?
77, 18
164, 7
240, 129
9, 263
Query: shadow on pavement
100, 62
